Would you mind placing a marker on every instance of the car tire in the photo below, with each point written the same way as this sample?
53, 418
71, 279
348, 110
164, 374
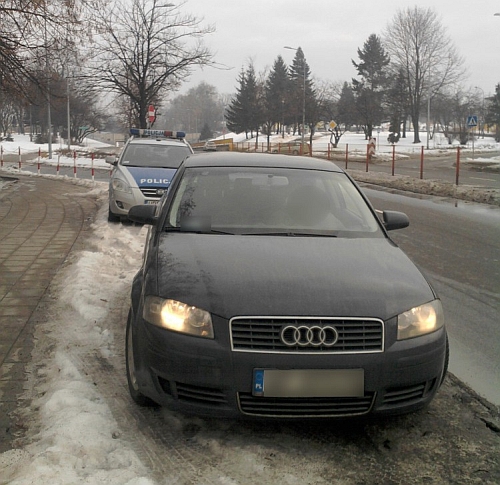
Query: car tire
133, 387
113, 217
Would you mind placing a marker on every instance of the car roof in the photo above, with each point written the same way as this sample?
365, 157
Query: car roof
232, 159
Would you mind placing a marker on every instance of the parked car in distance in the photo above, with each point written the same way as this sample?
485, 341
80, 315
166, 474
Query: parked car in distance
144, 169
210, 146
292, 148
270, 288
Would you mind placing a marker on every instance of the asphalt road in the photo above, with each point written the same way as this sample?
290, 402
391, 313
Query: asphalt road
436, 168
457, 245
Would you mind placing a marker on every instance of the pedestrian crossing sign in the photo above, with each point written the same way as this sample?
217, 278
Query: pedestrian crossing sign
471, 121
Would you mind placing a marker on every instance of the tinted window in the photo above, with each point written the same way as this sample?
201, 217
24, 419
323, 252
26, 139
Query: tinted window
260, 200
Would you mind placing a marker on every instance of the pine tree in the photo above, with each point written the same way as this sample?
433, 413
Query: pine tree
235, 112
346, 114
300, 81
276, 95
206, 133
254, 103
493, 113
245, 113
370, 89
397, 105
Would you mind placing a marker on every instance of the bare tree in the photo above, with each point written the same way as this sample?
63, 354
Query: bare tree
147, 48
29, 33
419, 46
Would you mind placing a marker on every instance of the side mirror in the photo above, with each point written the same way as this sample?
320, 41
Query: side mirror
111, 159
143, 214
395, 220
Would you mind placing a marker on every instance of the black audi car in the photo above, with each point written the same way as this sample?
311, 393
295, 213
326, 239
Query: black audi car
271, 288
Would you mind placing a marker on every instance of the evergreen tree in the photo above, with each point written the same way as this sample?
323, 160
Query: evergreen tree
254, 102
245, 113
206, 133
397, 105
276, 95
300, 81
235, 112
493, 112
346, 113
373, 83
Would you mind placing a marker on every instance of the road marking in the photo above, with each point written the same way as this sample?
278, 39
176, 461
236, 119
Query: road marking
482, 178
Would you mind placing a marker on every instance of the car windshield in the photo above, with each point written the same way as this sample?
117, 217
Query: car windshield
242, 200
151, 155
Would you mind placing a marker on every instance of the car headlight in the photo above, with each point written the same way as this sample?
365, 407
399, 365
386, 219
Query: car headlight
420, 320
121, 185
178, 317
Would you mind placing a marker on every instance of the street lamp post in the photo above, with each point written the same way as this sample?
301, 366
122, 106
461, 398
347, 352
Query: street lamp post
428, 119
49, 121
303, 95
68, 115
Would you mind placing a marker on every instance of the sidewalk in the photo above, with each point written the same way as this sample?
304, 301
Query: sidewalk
40, 223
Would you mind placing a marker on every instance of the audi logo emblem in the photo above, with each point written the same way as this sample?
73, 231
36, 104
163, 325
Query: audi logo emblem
305, 336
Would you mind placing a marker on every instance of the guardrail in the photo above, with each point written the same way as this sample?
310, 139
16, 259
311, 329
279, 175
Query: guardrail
368, 153
40, 160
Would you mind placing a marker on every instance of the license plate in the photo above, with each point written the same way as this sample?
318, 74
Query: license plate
152, 202
308, 383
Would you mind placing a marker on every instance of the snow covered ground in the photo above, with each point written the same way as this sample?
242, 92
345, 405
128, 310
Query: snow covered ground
75, 439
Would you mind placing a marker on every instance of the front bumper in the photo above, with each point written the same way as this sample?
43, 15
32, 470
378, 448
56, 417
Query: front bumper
121, 202
205, 377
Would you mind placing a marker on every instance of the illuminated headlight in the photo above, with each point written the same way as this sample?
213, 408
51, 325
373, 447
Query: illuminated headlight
120, 185
420, 320
178, 317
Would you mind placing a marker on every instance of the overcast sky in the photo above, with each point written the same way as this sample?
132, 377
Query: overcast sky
330, 32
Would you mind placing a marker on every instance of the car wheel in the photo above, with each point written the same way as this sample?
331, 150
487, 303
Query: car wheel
133, 386
113, 217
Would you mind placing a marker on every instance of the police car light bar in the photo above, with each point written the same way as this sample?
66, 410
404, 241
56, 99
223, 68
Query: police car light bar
165, 134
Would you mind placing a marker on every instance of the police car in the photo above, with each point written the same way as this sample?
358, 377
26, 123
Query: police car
144, 169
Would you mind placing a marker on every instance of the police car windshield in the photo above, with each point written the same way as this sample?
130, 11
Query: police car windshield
165, 156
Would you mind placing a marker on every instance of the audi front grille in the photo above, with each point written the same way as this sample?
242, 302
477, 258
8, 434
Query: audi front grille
276, 334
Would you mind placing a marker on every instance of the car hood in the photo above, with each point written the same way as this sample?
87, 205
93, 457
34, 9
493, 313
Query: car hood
151, 176
272, 276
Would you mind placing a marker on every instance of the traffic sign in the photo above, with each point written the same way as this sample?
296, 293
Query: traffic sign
332, 125
471, 121
151, 113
